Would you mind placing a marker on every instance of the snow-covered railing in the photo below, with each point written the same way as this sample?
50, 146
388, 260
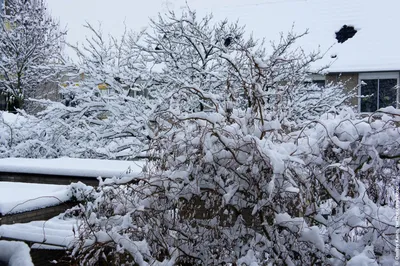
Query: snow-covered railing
71, 167
66, 170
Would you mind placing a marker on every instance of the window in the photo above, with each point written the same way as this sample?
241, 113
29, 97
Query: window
319, 83
378, 90
316, 79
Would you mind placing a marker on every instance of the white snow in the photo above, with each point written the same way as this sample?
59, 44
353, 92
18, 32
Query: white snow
293, 224
10, 118
15, 253
19, 197
54, 232
312, 235
72, 167
363, 259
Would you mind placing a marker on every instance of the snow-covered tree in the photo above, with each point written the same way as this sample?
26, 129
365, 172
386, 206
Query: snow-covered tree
267, 174
30, 47
191, 53
104, 110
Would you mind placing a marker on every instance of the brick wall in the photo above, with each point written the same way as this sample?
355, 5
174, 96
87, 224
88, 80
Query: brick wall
350, 81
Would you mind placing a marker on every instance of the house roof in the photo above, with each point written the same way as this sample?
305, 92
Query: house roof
373, 48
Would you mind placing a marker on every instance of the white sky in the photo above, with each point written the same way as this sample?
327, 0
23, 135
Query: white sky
136, 13
112, 15
374, 47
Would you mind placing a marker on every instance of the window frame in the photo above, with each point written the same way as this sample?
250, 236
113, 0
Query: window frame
378, 76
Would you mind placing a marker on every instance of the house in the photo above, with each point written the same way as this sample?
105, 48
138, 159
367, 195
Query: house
358, 37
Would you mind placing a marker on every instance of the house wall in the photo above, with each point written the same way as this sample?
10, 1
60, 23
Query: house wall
46, 91
349, 80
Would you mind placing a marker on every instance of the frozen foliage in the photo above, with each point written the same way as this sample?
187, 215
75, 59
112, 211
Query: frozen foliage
15, 253
30, 47
247, 167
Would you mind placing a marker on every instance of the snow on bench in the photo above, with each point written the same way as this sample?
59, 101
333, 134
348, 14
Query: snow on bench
72, 167
55, 232
15, 253
22, 197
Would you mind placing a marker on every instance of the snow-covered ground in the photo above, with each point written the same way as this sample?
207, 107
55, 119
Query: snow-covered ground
10, 118
56, 232
15, 253
19, 197
72, 167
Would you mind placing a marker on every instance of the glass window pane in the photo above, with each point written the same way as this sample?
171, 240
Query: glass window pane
387, 92
369, 87
319, 83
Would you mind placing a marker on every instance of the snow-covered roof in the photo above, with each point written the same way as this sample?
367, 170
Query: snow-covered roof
373, 48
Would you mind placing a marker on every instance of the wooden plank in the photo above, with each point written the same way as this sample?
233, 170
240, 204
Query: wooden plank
36, 215
46, 179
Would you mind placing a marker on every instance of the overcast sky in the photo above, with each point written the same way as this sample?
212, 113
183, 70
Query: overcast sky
112, 14
73, 14
264, 18
136, 13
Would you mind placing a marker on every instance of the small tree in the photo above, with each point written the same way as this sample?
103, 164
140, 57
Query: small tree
30, 46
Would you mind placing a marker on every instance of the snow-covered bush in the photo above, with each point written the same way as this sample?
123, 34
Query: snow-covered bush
23, 135
263, 175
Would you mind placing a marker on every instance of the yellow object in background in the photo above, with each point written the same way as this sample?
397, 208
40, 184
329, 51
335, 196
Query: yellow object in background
7, 25
103, 86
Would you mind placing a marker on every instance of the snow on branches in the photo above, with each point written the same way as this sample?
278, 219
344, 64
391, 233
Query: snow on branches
103, 111
248, 165
30, 48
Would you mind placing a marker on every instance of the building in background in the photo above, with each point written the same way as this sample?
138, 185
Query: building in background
357, 38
